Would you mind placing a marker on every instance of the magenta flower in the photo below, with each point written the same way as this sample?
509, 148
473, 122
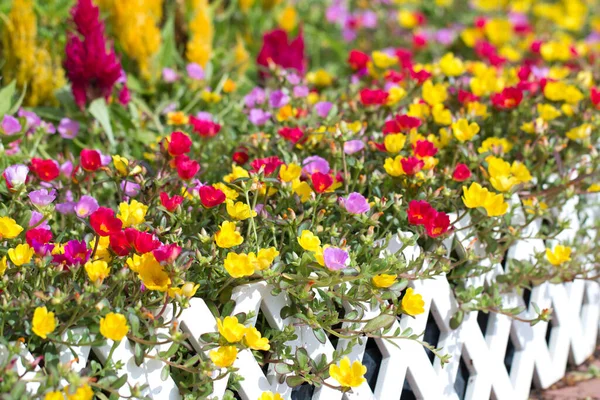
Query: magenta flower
301, 91
85, 206
35, 220
278, 99
130, 189
255, 97
32, 120
76, 253
15, 175
315, 164
10, 125
356, 203
323, 108
258, 117
195, 71
169, 75
42, 198
353, 146
335, 258
68, 128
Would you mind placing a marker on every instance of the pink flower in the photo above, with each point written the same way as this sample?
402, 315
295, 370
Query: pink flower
356, 203
335, 259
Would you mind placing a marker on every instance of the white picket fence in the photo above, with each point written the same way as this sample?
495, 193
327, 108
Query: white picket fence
573, 337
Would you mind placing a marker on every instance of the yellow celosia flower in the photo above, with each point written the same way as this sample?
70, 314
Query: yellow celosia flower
43, 322
434, 94
84, 392
464, 131
231, 329
227, 236
224, 356
255, 341
21, 254
560, 255
348, 375
9, 229
239, 265
394, 143
239, 210
288, 18
451, 66
114, 326
308, 241
384, 280
290, 172
97, 270
132, 214
199, 47
412, 303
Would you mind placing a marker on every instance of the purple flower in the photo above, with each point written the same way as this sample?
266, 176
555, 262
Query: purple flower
169, 75
323, 108
315, 164
32, 119
278, 99
353, 146
105, 159
10, 125
205, 116
42, 197
16, 175
335, 258
130, 189
85, 206
66, 168
68, 128
255, 97
293, 78
195, 71
76, 252
301, 91
369, 19
35, 219
355, 203
65, 208
48, 127
259, 117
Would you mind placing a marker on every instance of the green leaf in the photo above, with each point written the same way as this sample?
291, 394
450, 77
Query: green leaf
19, 101
302, 358
99, 110
138, 354
6, 95
457, 319
320, 335
164, 374
293, 381
282, 368
119, 382
379, 322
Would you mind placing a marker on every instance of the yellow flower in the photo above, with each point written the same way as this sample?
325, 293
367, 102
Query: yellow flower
475, 196
290, 172
555, 91
503, 183
152, 274
497, 166
302, 189
3, 265
498, 31
255, 341
395, 94
231, 329
580, 132
286, 112
495, 144
451, 66
288, 19
384, 280
412, 303
237, 172
54, 396
434, 94
265, 258
114, 326
528, 127
199, 48
121, 164
230, 194
9, 229
229, 86
348, 375
530, 205
239, 265
464, 131
495, 205
43, 322
393, 166
177, 118
320, 78
224, 356
441, 115
239, 210
555, 51
394, 142
407, 20
520, 172
308, 241
270, 396
21, 254
132, 214
84, 392
594, 188
241, 57
561, 254
102, 250
97, 270
227, 236
418, 110
548, 112
383, 60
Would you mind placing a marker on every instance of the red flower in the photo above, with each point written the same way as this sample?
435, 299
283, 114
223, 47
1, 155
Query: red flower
269, 164
508, 99
278, 49
204, 127
419, 41
292, 134
321, 182
104, 222
405, 57
120, 244
420, 76
38, 235
170, 203
167, 253
420, 212
142, 242
461, 173
411, 165
394, 76
424, 148
357, 60
373, 97
438, 225
401, 123
465, 96
186, 167
595, 97
90, 160
179, 143
240, 157
46, 170
211, 197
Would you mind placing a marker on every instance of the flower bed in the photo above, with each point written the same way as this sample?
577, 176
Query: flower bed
362, 202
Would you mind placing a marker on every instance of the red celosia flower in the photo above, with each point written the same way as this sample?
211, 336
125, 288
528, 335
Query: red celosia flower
595, 97
46, 170
278, 49
420, 212
91, 65
104, 222
179, 143
38, 235
424, 148
438, 225
90, 160
240, 157
186, 167
461, 173
204, 127
508, 99
411, 165
211, 197
142, 242
321, 182
373, 96
357, 60
120, 244
401, 123
124, 95
167, 253
292, 134
170, 203
269, 164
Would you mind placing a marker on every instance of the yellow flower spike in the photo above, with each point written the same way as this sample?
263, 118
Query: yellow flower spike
412, 303
255, 341
348, 375
84, 392
177, 118
21, 254
290, 172
132, 214
227, 236
43, 322
464, 131
97, 270
239, 211
200, 46
451, 66
308, 241
434, 94
270, 396
384, 280
231, 329
560, 255
265, 258
114, 326
239, 265
9, 229
394, 142
224, 356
